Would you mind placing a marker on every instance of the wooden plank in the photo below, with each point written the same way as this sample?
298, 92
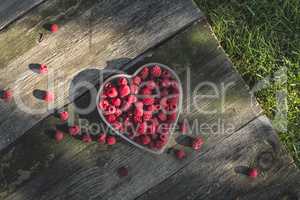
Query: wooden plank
220, 173
81, 173
11, 10
92, 34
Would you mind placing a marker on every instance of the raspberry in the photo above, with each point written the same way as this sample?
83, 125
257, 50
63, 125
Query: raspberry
164, 92
144, 73
111, 110
146, 140
111, 140
63, 116
107, 85
165, 74
197, 143
146, 91
163, 102
139, 104
173, 100
148, 101
142, 128
126, 106
132, 99
102, 138
53, 28
111, 92
139, 112
124, 90
48, 96
59, 136
123, 172
172, 117
136, 80
164, 137
151, 129
180, 154
122, 81
117, 125
111, 118
253, 173
151, 85
116, 102
156, 71
162, 116
103, 104
172, 107
7, 95
147, 115
74, 130
137, 119
43, 69
118, 112
87, 138
165, 83
134, 89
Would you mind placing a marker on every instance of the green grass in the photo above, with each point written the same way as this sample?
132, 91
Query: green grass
261, 37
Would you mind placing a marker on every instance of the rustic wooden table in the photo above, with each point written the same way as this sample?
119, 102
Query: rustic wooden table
95, 35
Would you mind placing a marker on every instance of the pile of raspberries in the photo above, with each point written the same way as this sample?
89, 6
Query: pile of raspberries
144, 108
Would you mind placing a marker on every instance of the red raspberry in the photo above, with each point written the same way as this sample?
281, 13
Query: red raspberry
165, 74
180, 154
111, 110
118, 112
162, 116
144, 73
124, 90
253, 173
117, 125
147, 115
87, 138
172, 117
151, 85
123, 172
116, 102
64, 115
148, 101
138, 112
136, 80
173, 100
111, 140
139, 104
172, 107
74, 130
103, 104
164, 92
126, 106
156, 71
142, 128
146, 91
122, 81
107, 85
151, 129
134, 89
137, 119
43, 69
197, 143
48, 96
146, 140
163, 102
132, 99
151, 108
7, 95
59, 136
53, 28
111, 92
102, 138
111, 118
164, 137
165, 83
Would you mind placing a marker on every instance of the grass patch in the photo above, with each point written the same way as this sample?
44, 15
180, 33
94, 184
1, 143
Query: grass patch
262, 37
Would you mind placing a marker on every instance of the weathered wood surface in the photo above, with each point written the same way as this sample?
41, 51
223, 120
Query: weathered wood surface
71, 170
11, 10
92, 34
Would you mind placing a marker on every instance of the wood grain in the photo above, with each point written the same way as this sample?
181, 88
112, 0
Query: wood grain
81, 173
92, 34
11, 10
221, 172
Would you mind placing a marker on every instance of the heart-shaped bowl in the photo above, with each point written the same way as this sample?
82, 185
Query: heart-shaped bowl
144, 119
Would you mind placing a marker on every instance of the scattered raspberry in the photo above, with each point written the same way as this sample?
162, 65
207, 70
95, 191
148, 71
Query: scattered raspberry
87, 138
124, 90
43, 69
48, 96
197, 143
59, 136
122, 81
116, 102
74, 130
102, 138
253, 173
7, 95
53, 28
123, 172
156, 71
180, 154
63, 116
146, 140
111, 140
